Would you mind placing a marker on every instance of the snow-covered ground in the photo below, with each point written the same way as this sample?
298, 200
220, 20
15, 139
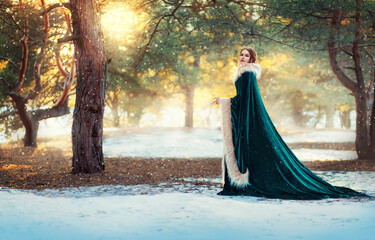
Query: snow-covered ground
306, 154
207, 143
184, 211
178, 142
319, 136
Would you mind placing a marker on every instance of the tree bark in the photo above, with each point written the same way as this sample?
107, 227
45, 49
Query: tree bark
362, 141
20, 105
87, 130
372, 130
370, 112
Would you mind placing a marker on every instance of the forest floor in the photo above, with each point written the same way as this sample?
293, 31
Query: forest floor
48, 166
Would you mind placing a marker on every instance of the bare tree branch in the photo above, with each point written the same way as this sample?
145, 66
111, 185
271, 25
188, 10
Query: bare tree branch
332, 52
6, 114
68, 23
14, 21
68, 38
38, 84
370, 87
7, 59
326, 17
234, 15
350, 68
248, 3
56, 5
57, 49
68, 83
41, 114
283, 43
372, 19
346, 51
5, 82
355, 48
145, 48
145, 4
25, 53
59, 62
284, 28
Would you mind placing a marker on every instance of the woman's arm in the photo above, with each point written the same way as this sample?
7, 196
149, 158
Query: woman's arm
219, 100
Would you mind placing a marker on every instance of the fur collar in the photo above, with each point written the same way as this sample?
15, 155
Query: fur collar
244, 67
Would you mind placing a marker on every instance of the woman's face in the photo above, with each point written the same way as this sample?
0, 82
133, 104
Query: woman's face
245, 56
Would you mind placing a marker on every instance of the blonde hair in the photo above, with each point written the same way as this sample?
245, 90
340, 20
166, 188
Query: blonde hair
253, 54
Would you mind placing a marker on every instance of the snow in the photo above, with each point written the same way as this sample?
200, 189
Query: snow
195, 143
184, 211
200, 143
306, 154
320, 136
166, 143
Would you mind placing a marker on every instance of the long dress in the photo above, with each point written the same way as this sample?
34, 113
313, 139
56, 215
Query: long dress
256, 160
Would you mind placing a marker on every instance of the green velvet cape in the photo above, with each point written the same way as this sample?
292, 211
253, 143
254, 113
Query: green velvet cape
273, 170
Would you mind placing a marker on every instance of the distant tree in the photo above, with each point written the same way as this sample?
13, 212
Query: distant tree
181, 33
346, 31
301, 85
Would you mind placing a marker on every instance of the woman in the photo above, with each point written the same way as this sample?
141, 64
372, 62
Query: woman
256, 160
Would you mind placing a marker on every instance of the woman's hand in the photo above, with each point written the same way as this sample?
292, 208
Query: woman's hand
216, 100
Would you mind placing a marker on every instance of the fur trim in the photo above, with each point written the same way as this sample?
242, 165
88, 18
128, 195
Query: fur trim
244, 67
237, 178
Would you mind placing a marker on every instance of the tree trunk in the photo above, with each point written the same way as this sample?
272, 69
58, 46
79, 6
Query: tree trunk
30, 120
116, 117
372, 131
297, 108
33, 136
87, 130
371, 106
31, 129
362, 142
363, 136
135, 117
318, 116
189, 101
25, 119
112, 101
370, 115
345, 119
330, 112
189, 89
41, 114
115, 105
